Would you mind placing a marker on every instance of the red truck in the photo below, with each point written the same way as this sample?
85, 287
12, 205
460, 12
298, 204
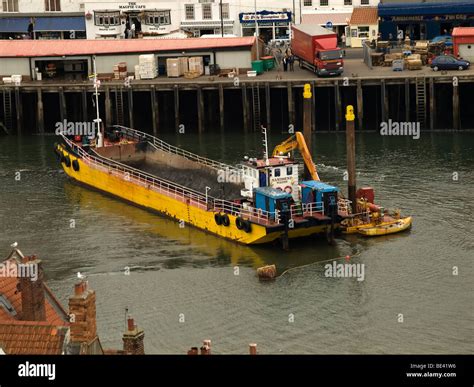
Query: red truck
317, 50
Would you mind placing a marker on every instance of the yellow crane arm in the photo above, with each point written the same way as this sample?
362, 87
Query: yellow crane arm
298, 142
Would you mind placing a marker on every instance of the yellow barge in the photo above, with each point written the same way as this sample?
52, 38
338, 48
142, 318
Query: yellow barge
131, 164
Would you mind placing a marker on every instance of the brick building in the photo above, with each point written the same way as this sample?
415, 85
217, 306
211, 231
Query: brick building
33, 322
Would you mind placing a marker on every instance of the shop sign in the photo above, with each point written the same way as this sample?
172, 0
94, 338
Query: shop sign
131, 5
265, 17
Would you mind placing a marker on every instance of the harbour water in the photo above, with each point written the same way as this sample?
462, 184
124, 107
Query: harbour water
185, 286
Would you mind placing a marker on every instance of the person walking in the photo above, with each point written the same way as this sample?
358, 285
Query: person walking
291, 62
133, 30
343, 40
285, 62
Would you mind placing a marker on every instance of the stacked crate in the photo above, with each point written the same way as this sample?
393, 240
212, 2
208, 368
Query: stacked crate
148, 66
173, 67
196, 65
120, 70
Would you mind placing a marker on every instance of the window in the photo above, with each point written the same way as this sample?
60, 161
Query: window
364, 2
225, 11
52, 5
10, 5
277, 172
363, 32
158, 18
207, 11
189, 11
308, 3
107, 18
347, 2
289, 171
323, 3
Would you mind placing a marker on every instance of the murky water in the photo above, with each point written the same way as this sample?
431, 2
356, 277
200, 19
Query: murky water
185, 271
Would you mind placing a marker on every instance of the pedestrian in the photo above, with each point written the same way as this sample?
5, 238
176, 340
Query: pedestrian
291, 62
285, 63
133, 30
343, 40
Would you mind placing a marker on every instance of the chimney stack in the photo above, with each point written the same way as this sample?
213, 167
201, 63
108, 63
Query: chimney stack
32, 292
82, 311
133, 339
253, 349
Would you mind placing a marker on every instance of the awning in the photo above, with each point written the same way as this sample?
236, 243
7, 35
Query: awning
20, 24
321, 19
72, 23
422, 8
14, 24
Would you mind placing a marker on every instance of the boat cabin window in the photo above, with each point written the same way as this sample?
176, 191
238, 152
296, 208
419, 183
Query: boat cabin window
277, 172
289, 171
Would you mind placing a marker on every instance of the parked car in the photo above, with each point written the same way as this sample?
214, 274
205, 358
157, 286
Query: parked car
448, 62
446, 39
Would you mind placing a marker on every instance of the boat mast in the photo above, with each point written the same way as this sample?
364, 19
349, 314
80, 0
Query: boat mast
265, 145
98, 121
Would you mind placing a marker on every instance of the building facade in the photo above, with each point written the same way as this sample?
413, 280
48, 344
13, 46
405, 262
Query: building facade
335, 14
423, 20
41, 19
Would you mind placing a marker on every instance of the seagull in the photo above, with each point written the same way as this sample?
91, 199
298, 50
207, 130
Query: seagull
80, 276
14, 245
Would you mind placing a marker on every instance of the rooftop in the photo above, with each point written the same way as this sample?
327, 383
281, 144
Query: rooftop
364, 16
32, 338
43, 48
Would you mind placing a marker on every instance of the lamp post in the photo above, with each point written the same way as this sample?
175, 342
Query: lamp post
207, 189
222, 19
256, 29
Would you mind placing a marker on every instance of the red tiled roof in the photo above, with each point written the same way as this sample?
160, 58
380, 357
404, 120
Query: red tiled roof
55, 313
365, 16
32, 338
463, 31
42, 48
323, 18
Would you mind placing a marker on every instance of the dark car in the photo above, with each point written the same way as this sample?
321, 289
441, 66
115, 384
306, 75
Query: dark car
447, 62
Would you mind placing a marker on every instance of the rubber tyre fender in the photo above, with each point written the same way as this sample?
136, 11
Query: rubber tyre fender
218, 219
239, 223
247, 226
67, 161
75, 165
225, 220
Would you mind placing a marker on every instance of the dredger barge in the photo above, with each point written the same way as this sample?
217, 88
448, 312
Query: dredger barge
257, 202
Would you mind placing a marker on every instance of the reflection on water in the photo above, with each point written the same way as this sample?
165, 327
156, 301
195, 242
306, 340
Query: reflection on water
187, 271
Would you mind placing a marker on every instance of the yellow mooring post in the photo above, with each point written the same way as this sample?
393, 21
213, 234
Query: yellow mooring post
350, 148
307, 118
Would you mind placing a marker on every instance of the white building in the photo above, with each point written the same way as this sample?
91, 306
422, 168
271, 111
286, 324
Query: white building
49, 19
109, 19
332, 13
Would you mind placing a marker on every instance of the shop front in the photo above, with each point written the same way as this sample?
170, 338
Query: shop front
127, 20
271, 25
42, 27
423, 21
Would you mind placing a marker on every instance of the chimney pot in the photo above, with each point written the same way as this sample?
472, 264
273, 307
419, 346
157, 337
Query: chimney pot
131, 324
253, 349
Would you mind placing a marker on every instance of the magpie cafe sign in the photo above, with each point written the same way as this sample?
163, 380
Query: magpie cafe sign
265, 16
131, 6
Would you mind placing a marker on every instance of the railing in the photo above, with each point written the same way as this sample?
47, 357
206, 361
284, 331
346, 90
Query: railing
344, 206
307, 209
170, 189
164, 146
